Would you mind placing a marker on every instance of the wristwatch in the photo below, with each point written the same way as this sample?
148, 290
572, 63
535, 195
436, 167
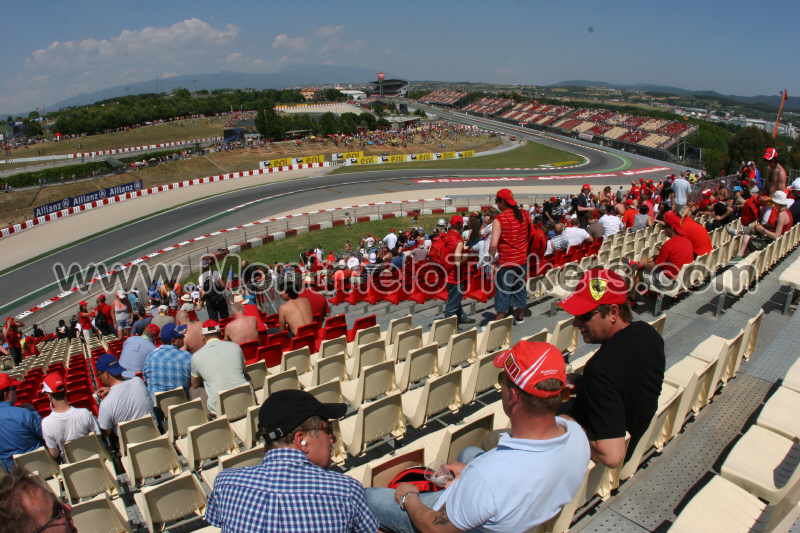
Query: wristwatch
403, 499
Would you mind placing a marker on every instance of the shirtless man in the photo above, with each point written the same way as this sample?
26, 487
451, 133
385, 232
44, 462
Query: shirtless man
776, 179
243, 328
296, 310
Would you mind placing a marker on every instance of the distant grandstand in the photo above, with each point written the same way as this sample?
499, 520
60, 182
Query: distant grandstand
588, 124
318, 109
444, 97
393, 87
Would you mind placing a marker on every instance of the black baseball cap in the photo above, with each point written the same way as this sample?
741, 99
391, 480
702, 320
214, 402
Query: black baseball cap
283, 411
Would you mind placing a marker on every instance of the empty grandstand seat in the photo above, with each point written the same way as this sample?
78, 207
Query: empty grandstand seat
299, 359
537, 337
85, 447
361, 323
175, 499
324, 370
150, 459
271, 355
207, 441
40, 461
137, 430
306, 341
256, 373
496, 335
405, 341
336, 320
695, 376
234, 402
441, 331
374, 421
330, 392
308, 329
764, 463
170, 397
479, 377
460, 349
778, 414
396, 326
373, 381
281, 338
565, 335
251, 457
333, 346
250, 351
184, 415
329, 333
365, 355
420, 363
88, 478
100, 515
442, 393
366, 335
281, 381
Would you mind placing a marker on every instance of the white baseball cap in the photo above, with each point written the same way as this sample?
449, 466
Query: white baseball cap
795, 186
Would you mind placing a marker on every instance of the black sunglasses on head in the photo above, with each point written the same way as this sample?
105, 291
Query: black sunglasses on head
60, 510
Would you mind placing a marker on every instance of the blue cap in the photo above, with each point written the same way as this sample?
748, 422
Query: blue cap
737, 189
170, 332
108, 363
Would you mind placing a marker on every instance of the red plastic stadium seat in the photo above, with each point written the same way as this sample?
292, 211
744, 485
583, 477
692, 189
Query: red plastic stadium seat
305, 340
250, 351
272, 355
363, 322
280, 339
308, 329
337, 320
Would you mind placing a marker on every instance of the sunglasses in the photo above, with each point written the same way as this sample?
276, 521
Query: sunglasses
586, 317
60, 510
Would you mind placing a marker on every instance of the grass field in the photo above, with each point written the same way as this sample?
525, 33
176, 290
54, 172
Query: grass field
530, 155
172, 131
18, 206
288, 250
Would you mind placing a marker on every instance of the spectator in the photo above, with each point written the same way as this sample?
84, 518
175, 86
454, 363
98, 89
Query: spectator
122, 399
583, 205
64, 423
794, 208
611, 222
291, 490
169, 366
296, 310
776, 174
390, 240
27, 505
212, 292
619, 389
775, 220
193, 340
642, 219
697, 235
243, 328
141, 321
103, 316
629, 215
510, 236
85, 320
595, 228
22, 428
527, 488
318, 302
680, 193
451, 258
675, 252
218, 365
136, 348
559, 241
37, 331
576, 236
123, 312
162, 318
12, 337
62, 331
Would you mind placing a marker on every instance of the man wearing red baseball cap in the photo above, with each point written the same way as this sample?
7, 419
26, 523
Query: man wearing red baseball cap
21, 428
776, 175
536, 468
451, 257
620, 385
64, 423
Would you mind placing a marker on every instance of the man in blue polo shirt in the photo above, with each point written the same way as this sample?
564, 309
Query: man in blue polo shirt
536, 468
21, 428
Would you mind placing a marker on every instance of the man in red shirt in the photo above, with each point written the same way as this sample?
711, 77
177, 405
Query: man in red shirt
104, 309
629, 215
510, 238
675, 252
697, 234
319, 304
538, 244
452, 259
11, 333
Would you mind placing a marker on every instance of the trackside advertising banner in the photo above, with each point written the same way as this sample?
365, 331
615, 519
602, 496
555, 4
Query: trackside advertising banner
93, 196
406, 158
290, 161
346, 155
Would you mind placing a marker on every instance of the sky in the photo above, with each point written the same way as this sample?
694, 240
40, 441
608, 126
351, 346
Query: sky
54, 50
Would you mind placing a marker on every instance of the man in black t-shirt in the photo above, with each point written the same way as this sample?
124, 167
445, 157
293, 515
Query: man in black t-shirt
583, 205
619, 389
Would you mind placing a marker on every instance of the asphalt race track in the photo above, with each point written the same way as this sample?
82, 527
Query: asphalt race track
19, 287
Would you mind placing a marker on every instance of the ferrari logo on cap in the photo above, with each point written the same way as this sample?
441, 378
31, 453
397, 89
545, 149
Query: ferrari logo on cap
597, 288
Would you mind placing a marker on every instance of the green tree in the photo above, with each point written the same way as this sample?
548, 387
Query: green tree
328, 124
383, 124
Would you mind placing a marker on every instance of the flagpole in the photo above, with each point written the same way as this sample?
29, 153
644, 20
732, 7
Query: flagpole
784, 97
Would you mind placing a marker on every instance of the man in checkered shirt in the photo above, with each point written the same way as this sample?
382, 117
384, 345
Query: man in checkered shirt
291, 490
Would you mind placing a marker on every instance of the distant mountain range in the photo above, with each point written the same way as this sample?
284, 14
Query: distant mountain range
290, 76
763, 101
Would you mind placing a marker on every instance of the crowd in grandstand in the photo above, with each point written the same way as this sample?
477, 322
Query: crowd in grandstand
161, 342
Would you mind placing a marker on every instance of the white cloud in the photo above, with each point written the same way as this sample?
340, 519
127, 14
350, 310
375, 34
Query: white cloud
181, 37
282, 40
327, 31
